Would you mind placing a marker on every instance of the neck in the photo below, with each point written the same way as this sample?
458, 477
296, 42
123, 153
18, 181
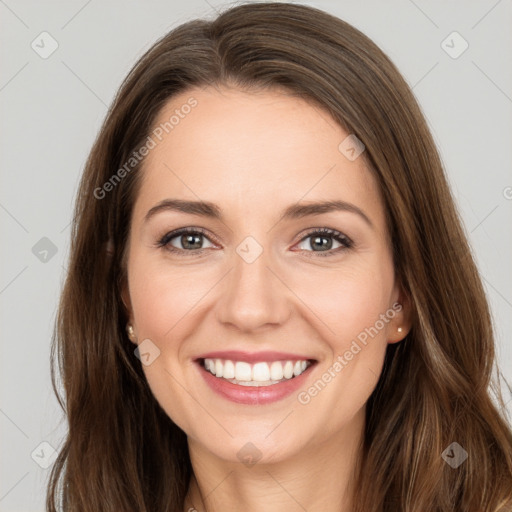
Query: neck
320, 477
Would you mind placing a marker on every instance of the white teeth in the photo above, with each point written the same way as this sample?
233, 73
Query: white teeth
288, 370
276, 370
258, 374
218, 367
242, 371
228, 371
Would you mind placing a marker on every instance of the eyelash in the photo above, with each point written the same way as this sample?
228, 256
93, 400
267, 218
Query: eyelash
327, 232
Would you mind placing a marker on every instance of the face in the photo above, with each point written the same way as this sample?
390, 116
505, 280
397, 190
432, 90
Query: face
293, 302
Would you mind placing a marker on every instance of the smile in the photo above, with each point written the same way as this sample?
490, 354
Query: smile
257, 374
254, 379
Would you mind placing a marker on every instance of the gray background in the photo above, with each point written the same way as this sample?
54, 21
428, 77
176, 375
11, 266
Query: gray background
51, 110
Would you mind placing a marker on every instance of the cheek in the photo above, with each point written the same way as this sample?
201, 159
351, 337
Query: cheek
163, 300
356, 339
354, 307
163, 297
347, 301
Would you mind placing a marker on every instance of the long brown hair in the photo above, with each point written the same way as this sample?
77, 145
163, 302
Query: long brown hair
122, 452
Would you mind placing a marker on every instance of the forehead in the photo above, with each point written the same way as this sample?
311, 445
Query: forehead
246, 150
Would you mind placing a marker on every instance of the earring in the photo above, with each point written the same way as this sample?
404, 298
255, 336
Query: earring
131, 333
399, 329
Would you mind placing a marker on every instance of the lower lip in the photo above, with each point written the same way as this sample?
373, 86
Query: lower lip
252, 395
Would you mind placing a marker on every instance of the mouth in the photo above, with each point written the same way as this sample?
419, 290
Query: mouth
254, 379
259, 374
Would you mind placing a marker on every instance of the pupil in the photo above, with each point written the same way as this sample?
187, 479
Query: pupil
317, 240
194, 242
185, 239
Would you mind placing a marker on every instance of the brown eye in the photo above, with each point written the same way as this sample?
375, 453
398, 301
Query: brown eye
185, 240
321, 241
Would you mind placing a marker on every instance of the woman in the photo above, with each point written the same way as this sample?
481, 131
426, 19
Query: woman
218, 352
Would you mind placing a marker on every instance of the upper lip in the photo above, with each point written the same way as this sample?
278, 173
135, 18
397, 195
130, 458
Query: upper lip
254, 357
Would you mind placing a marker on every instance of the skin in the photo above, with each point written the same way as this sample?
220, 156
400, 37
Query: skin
273, 150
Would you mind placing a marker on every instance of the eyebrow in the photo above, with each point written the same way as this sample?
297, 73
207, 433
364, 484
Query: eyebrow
295, 211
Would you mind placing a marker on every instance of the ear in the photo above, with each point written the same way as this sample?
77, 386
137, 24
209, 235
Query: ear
108, 248
125, 298
401, 323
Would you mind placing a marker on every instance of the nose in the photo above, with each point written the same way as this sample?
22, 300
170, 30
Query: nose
253, 296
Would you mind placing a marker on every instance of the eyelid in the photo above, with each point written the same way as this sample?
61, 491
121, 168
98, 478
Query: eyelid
168, 236
326, 231
344, 240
